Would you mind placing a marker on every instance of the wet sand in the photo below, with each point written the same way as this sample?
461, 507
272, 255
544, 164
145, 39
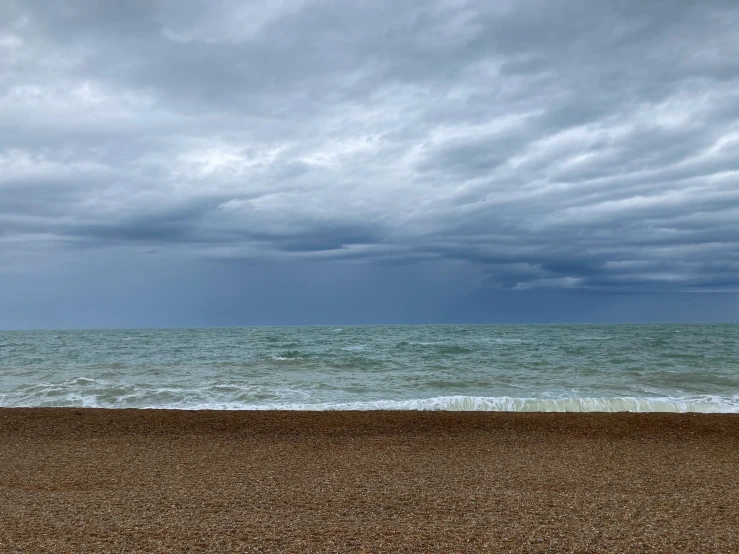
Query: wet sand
185, 481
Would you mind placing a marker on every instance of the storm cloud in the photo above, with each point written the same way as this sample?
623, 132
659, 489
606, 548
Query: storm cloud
578, 145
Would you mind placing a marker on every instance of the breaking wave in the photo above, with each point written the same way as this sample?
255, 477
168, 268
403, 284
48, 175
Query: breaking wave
509, 404
269, 400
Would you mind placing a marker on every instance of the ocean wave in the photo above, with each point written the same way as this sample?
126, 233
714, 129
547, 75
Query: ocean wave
147, 395
511, 404
290, 355
355, 348
225, 399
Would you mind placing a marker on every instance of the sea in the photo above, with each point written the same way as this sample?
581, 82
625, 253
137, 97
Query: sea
542, 368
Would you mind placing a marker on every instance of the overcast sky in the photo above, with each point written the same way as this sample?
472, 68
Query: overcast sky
218, 162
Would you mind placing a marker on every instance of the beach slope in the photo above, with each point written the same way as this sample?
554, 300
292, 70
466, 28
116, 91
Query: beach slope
90, 480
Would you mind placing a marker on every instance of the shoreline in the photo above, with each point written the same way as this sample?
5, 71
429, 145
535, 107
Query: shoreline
104, 480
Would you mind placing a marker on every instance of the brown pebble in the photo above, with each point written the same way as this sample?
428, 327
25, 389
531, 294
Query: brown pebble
178, 481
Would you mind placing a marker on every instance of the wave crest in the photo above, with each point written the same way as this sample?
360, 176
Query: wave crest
511, 404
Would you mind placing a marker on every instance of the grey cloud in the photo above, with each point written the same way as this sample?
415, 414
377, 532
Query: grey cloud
580, 145
469, 158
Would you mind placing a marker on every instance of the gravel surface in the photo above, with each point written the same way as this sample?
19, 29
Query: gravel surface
194, 481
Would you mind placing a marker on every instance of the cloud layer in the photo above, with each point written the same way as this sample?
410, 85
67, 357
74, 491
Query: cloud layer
576, 145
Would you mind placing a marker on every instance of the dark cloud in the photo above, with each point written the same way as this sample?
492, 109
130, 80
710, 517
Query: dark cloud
572, 146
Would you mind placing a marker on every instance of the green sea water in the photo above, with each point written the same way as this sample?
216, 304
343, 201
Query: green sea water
641, 368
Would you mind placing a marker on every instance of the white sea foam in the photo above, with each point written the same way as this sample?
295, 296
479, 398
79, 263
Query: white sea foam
211, 398
510, 404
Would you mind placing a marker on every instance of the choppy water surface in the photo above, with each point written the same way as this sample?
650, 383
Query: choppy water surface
455, 367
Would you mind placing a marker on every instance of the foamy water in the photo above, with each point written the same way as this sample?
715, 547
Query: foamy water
608, 368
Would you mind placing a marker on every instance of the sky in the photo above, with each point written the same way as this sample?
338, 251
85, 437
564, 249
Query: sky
289, 162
